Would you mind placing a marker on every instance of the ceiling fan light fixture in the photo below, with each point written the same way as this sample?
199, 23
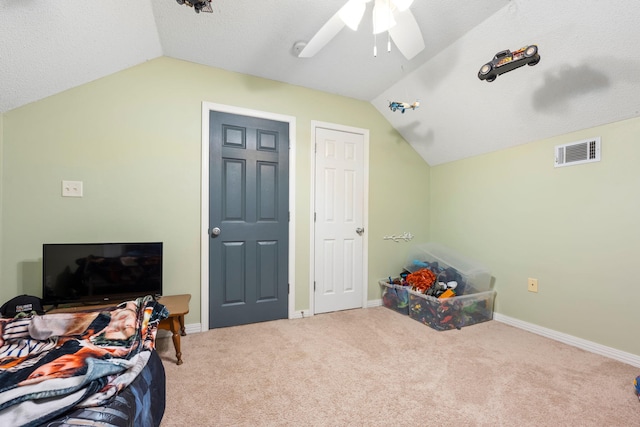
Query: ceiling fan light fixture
383, 19
351, 13
402, 5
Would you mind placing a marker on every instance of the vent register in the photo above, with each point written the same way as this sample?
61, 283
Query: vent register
575, 153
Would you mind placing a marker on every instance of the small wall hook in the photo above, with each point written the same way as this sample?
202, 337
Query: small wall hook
406, 236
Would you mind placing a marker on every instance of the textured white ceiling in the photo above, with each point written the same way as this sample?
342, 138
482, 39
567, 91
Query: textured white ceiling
48, 47
257, 38
588, 74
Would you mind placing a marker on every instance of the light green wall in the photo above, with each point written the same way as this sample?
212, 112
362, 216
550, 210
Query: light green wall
134, 139
576, 229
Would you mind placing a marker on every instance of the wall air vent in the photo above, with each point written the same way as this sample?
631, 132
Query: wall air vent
579, 152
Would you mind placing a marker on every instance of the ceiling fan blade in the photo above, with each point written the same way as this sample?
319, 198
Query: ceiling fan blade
351, 13
407, 35
323, 36
402, 5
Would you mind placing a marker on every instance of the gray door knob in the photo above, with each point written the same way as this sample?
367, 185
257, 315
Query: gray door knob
215, 232
360, 230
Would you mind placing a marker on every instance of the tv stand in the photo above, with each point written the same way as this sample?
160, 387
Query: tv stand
81, 306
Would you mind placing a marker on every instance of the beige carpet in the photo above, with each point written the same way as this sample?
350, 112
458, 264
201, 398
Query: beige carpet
375, 367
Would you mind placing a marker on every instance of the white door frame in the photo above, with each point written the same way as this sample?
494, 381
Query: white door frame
365, 237
204, 201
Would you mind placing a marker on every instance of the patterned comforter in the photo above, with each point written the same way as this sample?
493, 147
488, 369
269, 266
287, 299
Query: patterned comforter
53, 363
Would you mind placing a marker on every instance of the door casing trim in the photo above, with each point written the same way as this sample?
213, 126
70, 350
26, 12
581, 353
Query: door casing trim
365, 238
204, 201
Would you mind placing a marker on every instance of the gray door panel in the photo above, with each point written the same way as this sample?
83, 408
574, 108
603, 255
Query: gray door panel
249, 194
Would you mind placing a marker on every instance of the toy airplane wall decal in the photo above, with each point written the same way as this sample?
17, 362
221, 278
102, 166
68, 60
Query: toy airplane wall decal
403, 106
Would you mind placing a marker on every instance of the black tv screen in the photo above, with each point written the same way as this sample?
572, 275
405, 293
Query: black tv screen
100, 272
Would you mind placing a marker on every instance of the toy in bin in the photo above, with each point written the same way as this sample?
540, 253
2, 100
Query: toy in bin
395, 295
436, 281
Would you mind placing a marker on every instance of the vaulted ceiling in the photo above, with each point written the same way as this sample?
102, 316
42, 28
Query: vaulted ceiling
589, 73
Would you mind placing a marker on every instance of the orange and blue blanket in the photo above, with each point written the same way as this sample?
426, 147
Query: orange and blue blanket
52, 363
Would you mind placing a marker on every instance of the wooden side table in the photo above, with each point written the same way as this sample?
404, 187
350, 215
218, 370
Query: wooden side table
178, 306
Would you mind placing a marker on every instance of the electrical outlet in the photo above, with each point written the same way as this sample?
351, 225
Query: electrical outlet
532, 285
71, 188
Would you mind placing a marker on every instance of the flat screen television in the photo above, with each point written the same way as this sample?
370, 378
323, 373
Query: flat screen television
93, 273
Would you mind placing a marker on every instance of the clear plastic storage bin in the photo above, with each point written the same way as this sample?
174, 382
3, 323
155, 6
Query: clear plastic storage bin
473, 299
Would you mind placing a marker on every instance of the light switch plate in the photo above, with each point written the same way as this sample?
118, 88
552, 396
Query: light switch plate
71, 188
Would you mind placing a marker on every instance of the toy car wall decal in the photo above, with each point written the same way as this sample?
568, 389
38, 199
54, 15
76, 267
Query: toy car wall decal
402, 106
506, 61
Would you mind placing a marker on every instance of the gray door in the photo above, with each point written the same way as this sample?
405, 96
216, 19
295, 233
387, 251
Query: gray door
248, 219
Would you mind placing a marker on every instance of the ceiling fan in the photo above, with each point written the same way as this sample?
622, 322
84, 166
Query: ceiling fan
392, 16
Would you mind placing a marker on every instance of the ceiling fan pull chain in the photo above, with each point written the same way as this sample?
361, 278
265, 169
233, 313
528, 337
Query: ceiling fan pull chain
375, 45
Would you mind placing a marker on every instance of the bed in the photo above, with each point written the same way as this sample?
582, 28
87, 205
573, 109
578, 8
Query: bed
92, 367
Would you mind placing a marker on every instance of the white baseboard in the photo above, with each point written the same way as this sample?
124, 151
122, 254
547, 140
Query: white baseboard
612, 353
374, 303
191, 328
300, 314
